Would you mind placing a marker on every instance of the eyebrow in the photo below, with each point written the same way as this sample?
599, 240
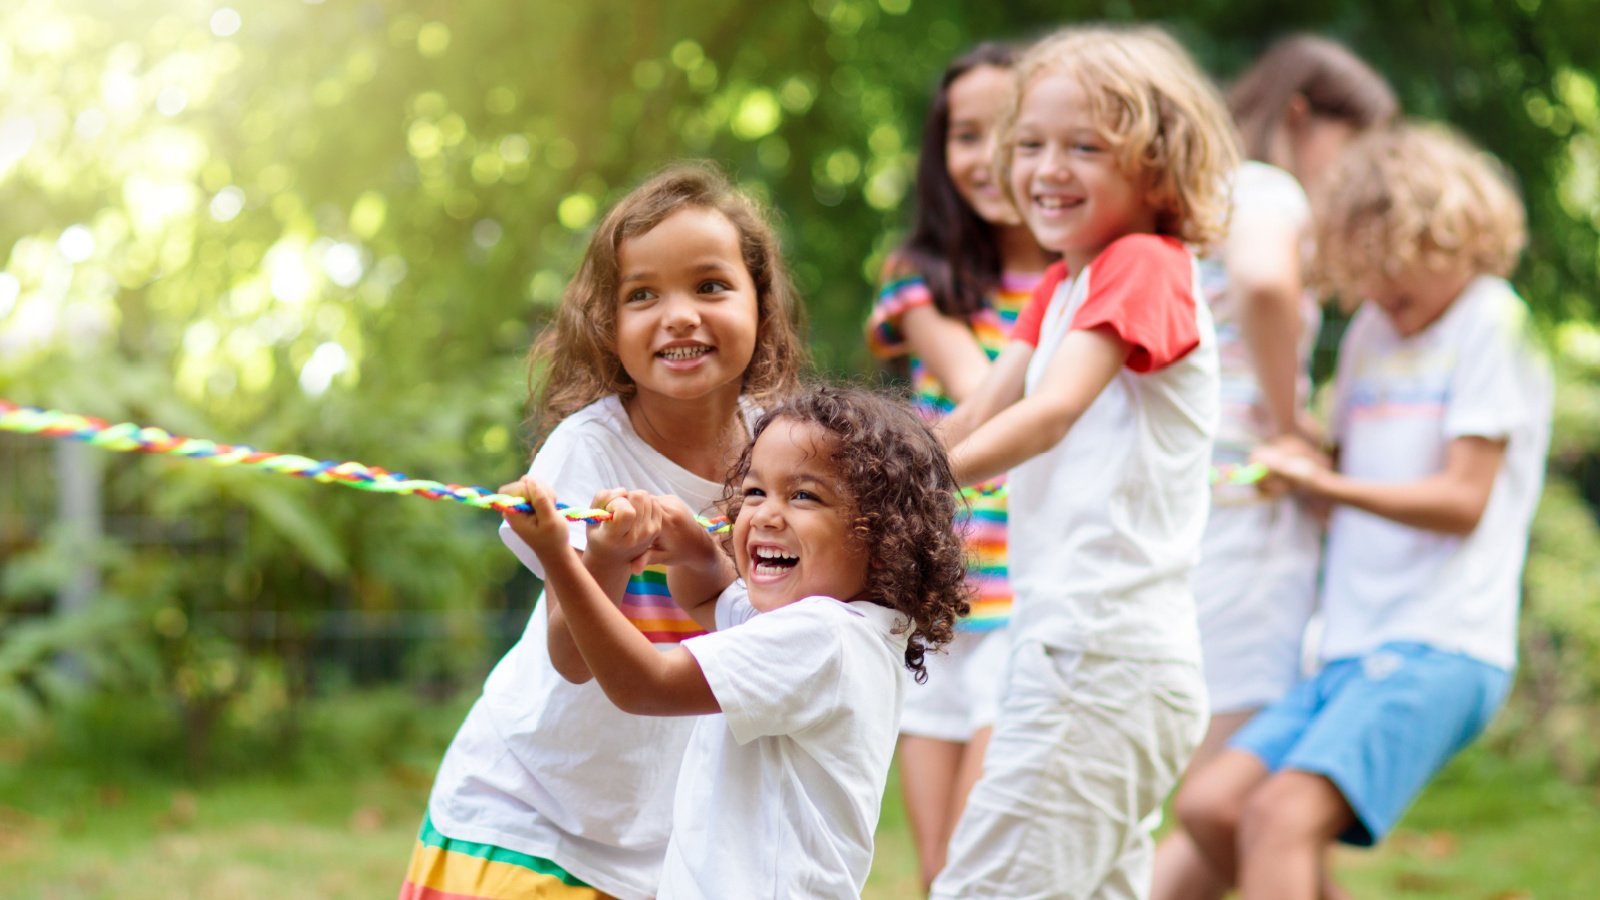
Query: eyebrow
708, 267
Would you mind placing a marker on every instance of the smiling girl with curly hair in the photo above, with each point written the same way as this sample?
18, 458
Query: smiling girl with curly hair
849, 568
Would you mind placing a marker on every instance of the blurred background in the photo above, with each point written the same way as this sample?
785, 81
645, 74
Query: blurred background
333, 227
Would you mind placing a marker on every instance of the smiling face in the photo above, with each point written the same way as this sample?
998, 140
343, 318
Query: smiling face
975, 99
792, 537
1065, 178
686, 308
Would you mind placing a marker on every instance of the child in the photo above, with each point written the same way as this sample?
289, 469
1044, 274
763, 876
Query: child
842, 511
1102, 407
679, 321
1255, 585
1442, 422
950, 295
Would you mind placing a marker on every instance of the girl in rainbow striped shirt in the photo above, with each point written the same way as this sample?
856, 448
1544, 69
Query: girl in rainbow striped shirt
949, 297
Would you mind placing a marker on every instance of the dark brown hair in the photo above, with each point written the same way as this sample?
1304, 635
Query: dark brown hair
954, 250
1335, 83
575, 361
902, 507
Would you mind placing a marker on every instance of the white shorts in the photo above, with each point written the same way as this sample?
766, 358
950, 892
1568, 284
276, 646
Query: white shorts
962, 693
1084, 751
1254, 590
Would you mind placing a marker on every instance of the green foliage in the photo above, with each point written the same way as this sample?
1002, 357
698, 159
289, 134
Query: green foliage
1559, 690
334, 229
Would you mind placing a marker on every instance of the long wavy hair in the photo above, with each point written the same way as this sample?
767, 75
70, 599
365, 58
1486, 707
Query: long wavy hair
575, 361
954, 250
902, 498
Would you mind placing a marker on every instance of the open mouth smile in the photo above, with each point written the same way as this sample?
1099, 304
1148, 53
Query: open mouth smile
682, 352
767, 562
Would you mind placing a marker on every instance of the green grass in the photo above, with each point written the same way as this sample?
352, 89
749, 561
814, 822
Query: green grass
335, 825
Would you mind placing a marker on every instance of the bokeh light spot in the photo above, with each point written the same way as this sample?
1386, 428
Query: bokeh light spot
227, 203
576, 211
758, 115
225, 22
76, 243
433, 39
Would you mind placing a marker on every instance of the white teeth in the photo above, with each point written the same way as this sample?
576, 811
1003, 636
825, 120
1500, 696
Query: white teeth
774, 553
684, 352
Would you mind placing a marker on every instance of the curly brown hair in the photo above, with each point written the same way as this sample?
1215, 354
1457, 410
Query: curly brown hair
575, 361
903, 500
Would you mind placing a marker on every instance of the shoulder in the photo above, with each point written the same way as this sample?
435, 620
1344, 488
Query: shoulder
1256, 183
1143, 263
600, 417
899, 268
596, 430
1132, 250
1495, 318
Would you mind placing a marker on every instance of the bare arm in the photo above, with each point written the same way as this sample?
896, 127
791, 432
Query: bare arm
634, 675
697, 569
1001, 387
1450, 501
1263, 256
610, 560
1078, 371
948, 348
564, 656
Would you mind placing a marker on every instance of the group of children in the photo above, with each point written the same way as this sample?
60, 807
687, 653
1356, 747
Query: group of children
700, 714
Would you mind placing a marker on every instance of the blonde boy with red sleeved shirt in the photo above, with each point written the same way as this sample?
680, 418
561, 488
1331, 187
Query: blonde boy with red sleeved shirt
1102, 411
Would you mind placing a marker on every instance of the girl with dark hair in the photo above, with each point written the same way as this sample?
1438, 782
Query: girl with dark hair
949, 297
1255, 586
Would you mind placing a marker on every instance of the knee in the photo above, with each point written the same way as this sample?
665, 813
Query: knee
1290, 809
1209, 810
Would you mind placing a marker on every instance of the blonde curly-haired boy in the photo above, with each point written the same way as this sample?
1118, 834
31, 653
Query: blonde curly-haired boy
1442, 421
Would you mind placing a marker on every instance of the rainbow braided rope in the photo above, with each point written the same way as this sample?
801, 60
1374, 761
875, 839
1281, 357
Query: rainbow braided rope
1248, 473
129, 438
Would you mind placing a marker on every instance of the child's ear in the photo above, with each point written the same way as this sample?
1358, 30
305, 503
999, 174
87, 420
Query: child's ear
1296, 111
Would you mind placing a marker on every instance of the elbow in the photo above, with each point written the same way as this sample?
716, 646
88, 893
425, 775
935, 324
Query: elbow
631, 700
571, 667
1054, 426
1463, 517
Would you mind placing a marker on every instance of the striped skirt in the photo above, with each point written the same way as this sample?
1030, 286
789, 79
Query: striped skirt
443, 868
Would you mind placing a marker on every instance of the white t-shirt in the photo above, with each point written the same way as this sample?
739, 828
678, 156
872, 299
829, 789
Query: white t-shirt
553, 769
1260, 193
780, 793
1400, 402
1106, 525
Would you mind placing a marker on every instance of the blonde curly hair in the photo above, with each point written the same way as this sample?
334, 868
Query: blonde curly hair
1163, 118
1417, 191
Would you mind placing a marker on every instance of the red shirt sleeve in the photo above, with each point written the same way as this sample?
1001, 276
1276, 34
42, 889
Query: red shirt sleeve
1031, 319
1142, 288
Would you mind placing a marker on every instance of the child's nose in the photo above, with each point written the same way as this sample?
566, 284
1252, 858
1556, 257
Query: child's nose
767, 516
1052, 164
680, 313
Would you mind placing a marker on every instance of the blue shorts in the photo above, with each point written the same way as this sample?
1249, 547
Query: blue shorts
1378, 726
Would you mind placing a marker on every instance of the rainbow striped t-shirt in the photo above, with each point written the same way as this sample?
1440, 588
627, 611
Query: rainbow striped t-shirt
985, 515
650, 608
